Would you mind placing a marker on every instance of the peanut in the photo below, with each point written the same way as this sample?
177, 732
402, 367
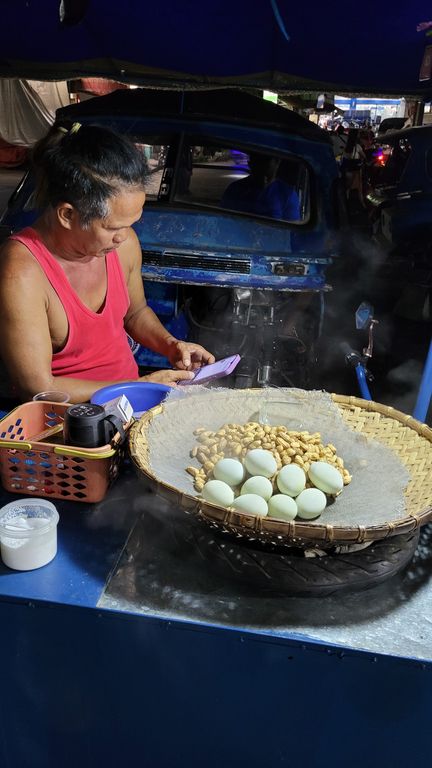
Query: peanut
235, 440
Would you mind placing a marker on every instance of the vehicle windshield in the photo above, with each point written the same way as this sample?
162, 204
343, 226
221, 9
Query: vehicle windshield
246, 182
226, 178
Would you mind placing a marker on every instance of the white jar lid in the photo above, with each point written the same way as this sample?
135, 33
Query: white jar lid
26, 518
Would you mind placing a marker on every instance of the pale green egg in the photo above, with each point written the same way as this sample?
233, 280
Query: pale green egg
218, 492
251, 504
282, 506
310, 503
230, 471
326, 477
291, 480
260, 462
261, 486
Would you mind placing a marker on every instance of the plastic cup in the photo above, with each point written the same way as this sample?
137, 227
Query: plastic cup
28, 533
53, 397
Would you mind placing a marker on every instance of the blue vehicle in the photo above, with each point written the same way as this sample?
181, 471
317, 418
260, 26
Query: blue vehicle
243, 209
400, 203
402, 189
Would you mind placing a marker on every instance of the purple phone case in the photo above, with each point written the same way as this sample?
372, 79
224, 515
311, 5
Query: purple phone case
214, 370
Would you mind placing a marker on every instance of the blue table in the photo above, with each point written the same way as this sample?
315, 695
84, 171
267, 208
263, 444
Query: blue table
132, 648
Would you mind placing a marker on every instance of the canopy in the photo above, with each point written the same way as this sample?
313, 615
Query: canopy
276, 44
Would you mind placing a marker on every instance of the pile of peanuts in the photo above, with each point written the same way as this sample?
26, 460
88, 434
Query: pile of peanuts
235, 440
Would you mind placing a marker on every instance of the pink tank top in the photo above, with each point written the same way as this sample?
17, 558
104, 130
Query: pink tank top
97, 345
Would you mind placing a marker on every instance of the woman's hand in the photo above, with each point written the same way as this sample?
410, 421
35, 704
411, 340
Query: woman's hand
187, 356
168, 376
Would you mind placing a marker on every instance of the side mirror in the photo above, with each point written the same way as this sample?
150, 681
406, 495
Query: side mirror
365, 321
364, 315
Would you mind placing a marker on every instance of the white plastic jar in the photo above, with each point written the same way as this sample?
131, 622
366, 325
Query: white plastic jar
28, 533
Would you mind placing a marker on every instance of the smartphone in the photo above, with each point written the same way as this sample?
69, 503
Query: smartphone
214, 370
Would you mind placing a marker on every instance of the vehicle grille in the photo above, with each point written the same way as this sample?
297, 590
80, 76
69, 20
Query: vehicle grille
198, 261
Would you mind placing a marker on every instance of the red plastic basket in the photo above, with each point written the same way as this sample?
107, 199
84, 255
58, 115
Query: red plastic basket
34, 468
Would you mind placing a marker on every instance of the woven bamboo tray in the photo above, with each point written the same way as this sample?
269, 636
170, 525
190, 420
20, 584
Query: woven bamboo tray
408, 438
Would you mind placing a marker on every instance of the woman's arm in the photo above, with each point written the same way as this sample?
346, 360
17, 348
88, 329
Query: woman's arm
142, 323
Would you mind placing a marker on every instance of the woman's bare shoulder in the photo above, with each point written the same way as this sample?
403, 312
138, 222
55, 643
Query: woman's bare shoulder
130, 251
17, 262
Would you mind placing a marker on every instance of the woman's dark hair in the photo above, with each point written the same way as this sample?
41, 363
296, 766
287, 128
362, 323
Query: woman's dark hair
85, 165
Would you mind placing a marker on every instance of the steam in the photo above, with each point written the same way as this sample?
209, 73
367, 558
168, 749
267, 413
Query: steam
400, 344
403, 382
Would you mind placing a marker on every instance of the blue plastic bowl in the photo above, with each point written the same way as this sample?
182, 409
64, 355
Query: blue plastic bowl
141, 395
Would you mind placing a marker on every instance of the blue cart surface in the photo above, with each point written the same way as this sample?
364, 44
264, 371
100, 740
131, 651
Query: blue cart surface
143, 643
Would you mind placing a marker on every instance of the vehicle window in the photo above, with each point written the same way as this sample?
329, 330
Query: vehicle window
397, 157
156, 150
232, 179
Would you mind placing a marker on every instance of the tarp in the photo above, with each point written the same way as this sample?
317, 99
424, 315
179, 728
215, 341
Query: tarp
366, 47
28, 109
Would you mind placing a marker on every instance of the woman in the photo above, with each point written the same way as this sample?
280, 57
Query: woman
352, 165
71, 289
